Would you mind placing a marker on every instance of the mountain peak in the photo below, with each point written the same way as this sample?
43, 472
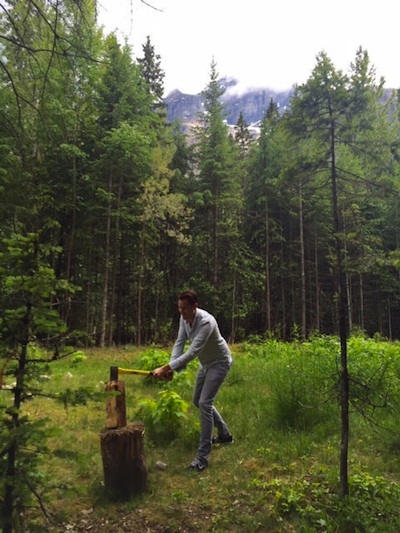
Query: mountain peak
251, 102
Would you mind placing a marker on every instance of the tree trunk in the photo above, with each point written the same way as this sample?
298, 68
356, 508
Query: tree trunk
233, 309
138, 339
302, 266
349, 305
317, 289
125, 472
12, 452
283, 297
343, 328
362, 320
348, 282
215, 247
113, 273
70, 245
267, 271
104, 303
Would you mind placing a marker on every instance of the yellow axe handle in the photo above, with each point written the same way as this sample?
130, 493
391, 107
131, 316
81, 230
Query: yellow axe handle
132, 371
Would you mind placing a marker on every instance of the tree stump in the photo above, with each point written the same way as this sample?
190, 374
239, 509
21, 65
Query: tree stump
125, 472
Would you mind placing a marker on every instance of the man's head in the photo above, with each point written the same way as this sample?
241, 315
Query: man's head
187, 305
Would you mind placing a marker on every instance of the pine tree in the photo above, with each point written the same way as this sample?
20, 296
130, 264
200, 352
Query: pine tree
264, 225
214, 152
221, 263
336, 120
42, 149
153, 76
242, 135
152, 71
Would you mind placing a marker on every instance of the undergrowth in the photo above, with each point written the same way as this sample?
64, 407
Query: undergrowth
281, 473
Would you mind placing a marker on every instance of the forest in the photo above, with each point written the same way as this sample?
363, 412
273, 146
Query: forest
108, 211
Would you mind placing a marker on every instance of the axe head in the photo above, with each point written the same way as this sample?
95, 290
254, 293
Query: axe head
113, 373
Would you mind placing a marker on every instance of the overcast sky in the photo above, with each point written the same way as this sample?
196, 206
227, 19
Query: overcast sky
260, 43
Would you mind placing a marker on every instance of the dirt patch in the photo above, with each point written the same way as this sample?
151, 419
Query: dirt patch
131, 523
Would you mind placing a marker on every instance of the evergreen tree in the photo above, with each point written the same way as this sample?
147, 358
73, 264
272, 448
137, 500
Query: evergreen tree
242, 135
221, 263
42, 108
214, 153
319, 111
333, 117
265, 219
152, 71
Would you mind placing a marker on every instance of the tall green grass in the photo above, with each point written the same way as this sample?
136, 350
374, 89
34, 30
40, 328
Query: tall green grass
280, 475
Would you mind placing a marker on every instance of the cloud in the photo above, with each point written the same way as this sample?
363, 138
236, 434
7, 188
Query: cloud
260, 44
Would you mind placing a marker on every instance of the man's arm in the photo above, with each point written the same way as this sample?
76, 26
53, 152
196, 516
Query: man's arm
195, 347
177, 350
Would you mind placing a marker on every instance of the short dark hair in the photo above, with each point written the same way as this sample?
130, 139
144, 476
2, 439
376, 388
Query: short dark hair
190, 296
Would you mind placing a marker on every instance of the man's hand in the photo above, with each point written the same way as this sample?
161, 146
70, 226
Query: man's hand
163, 372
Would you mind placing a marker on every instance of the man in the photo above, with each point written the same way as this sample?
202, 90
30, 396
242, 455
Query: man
207, 344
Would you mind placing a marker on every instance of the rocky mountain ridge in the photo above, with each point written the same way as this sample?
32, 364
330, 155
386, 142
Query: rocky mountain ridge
252, 102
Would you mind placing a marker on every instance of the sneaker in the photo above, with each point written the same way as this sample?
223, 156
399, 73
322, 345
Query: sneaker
198, 464
222, 439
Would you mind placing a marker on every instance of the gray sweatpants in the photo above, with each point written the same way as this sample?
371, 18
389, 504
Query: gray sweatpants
207, 386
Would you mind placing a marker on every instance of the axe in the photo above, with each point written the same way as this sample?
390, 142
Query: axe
115, 370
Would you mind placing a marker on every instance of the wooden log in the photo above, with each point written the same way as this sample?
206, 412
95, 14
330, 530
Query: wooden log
115, 405
125, 471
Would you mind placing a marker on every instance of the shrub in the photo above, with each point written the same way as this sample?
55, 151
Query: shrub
300, 379
163, 418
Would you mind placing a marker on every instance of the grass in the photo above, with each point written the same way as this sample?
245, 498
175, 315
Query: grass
281, 473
